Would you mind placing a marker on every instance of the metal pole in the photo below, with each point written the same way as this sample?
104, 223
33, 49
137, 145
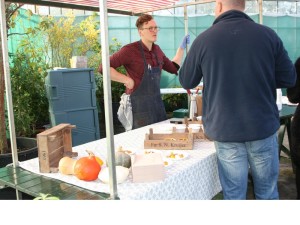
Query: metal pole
186, 30
10, 111
186, 25
260, 6
177, 6
107, 100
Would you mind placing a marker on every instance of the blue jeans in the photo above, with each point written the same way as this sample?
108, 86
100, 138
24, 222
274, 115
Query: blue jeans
234, 160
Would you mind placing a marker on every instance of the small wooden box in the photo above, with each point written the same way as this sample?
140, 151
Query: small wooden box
200, 134
191, 121
179, 141
53, 144
147, 168
78, 62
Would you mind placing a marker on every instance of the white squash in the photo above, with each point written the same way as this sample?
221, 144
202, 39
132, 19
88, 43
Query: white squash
121, 172
66, 165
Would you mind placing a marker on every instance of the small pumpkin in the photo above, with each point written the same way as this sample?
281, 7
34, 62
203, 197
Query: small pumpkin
98, 159
66, 165
121, 173
87, 168
122, 159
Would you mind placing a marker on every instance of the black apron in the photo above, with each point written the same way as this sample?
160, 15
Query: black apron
146, 102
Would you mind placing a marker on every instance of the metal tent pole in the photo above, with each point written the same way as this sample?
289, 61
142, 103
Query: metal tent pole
260, 9
10, 111
186, 24
107, 99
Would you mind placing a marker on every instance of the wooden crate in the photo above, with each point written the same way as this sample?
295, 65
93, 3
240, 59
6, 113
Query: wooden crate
188, 121
53, 144
179, 141
199, 135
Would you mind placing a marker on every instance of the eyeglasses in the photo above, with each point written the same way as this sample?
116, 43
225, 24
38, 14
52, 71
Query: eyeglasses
151, 29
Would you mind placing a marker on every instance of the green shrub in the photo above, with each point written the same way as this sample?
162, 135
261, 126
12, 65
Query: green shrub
30, 103
175, 101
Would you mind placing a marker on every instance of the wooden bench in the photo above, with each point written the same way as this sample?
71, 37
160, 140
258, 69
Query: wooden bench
34, 184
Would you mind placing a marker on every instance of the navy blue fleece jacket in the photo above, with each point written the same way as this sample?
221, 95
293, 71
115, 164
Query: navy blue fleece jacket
241, 63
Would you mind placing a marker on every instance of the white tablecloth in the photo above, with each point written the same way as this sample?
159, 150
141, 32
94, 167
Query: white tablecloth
195, 177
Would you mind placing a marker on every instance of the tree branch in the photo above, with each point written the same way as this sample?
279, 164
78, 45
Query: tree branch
17, 34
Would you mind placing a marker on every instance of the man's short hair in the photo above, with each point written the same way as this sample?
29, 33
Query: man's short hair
143, 19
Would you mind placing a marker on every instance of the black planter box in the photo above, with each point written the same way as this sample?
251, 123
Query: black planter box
30, 144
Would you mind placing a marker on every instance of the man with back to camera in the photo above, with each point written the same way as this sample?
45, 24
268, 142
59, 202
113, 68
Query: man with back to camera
241, 63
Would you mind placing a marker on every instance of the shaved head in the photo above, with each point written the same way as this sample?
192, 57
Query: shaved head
233, 4
225, 5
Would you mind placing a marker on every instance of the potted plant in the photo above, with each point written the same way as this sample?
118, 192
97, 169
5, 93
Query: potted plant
30, 105
29, 144
11, 10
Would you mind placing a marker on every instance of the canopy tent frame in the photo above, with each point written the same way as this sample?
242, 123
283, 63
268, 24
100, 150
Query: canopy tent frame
102, 4
101, 7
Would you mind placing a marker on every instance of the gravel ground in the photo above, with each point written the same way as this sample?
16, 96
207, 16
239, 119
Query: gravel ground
286, 182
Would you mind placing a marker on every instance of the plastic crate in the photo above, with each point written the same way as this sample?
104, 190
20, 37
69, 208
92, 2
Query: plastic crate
72, 99
86, 121
69, 89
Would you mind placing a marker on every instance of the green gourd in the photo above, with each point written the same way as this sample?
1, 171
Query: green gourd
122, 159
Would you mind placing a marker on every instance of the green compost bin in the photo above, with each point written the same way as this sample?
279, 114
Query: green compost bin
181, 113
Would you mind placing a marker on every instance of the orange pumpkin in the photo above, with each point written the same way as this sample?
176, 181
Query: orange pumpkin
98, 159
87, 168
